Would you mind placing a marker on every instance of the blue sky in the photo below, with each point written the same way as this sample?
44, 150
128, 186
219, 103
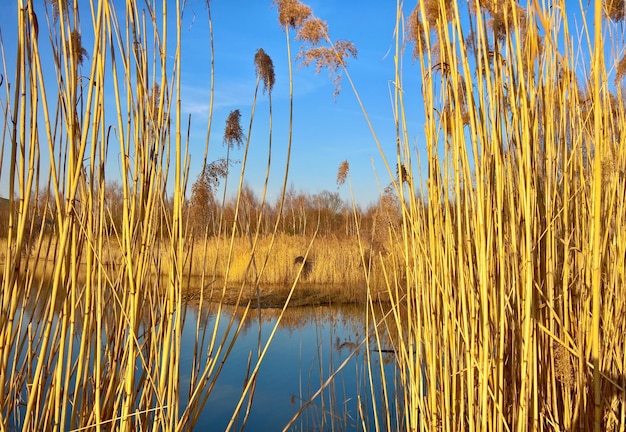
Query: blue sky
326, 130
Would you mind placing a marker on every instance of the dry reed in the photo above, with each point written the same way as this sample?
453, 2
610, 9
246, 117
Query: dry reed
508, 310
514, 270
91, 316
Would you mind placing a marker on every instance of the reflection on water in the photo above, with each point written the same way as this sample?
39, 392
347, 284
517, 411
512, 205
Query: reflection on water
310, 344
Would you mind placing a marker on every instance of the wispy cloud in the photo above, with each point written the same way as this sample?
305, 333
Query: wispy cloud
196, 98
238, 94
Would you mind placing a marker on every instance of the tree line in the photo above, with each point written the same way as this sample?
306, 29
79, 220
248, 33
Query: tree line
302, 214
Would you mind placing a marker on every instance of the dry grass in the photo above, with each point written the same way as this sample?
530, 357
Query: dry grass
331, 261
508, 312
515, 284
334, 272
507, 289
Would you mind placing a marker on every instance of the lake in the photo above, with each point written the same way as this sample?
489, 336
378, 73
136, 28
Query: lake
310, 344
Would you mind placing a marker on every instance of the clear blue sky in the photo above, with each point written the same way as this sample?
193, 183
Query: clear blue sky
326, 131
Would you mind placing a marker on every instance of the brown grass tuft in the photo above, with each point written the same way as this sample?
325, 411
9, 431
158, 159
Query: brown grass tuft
292, 13
265, 69
343, 172
233, 133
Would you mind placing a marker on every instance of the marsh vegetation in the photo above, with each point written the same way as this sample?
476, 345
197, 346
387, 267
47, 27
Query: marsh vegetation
495, 276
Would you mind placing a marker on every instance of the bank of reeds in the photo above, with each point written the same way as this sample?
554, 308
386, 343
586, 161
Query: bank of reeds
512, 316
509, 310
331, 261
91, 317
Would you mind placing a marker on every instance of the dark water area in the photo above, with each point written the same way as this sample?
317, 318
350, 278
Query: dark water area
310, 345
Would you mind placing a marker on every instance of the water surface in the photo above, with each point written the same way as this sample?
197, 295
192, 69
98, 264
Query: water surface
310, 344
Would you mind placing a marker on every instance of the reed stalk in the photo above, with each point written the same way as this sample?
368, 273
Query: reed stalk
512, 260
507, 264
92, 316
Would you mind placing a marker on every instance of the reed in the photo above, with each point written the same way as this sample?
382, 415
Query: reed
506, 283
506, 308
92, 316
514, 270
333, 261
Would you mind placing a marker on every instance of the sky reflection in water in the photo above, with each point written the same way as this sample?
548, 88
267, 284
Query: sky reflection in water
310, 344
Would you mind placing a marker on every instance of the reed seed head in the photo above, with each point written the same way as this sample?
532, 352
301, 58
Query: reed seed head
614, 9
620, 69
233, 133
564, 371
342, 173
55, 5
154, 100
434, 11
313, 31
502, 20
265, 69
386, 220
292, 13
79, 53
332, 58
415, 32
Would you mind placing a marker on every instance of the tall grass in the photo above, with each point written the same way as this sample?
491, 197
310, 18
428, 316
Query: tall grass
508, 306
512, 317
92, 318
333, 261
508, 313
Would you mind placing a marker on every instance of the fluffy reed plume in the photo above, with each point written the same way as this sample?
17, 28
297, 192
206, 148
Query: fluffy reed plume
502, 20
333, 58
292, 13
55, 5
312, 31
415, 32
265, 69
436, 10
620, 69
233, 133
154, 101
564, 371
386, 222
614, 9
342, 173
202, 201
79, 53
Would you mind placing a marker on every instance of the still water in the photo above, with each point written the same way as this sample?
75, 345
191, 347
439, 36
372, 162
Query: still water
310, 344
